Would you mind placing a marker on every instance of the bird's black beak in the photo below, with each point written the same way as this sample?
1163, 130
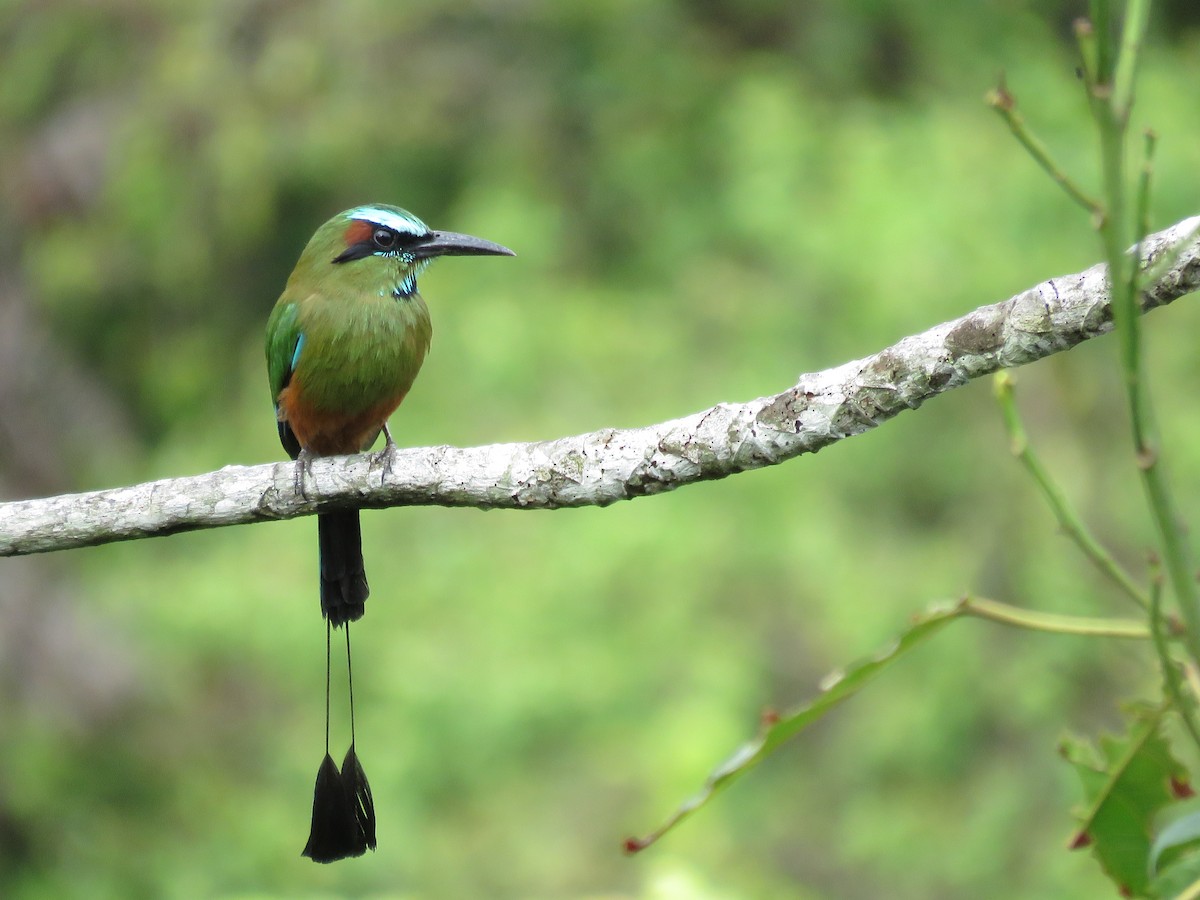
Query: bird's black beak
450, 243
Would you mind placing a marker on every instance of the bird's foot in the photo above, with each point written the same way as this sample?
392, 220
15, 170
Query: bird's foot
303, 470
384, 457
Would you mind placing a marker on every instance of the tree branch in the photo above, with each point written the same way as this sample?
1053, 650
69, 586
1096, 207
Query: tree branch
618, 464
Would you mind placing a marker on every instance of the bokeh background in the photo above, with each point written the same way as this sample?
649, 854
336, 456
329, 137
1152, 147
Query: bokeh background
707, 198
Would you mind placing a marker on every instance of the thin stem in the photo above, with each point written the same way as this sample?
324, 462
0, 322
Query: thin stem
1004, 613
1133, 36
1068, 519
1172, 682
1102, 26
1006, 105
1085, 35
1142, 208
1111, 109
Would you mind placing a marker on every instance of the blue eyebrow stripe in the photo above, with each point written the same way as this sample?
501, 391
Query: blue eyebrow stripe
399, 220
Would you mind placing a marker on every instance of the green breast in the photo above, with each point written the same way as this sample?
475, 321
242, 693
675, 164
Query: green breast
359, 352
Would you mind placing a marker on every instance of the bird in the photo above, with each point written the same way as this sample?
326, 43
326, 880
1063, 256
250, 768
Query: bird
344, 344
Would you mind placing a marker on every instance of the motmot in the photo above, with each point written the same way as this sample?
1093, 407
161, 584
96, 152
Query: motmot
344, 344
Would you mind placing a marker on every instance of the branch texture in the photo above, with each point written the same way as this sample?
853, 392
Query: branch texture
602, 467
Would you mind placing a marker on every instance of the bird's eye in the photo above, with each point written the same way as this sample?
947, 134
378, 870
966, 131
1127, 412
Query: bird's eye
384, 239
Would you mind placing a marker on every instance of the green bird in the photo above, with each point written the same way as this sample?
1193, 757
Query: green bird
344, 344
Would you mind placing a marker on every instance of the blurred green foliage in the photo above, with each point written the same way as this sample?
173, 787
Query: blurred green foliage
707, 198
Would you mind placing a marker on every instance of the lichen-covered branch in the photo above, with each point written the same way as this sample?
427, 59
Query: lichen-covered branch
602, 467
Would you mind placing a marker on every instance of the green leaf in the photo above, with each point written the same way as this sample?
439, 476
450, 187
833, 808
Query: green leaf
1178, 825
777, 728
1180, 880
1127, 783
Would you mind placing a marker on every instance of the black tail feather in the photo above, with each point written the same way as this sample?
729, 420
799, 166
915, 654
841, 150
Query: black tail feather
358, 792
337, 830
343, 578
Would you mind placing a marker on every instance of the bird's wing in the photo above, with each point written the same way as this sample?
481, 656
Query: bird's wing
285, 342
284, 339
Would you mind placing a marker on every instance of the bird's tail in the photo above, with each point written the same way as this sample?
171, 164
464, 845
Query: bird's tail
343, 579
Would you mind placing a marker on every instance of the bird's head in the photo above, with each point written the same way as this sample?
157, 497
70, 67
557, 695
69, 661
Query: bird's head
383, 248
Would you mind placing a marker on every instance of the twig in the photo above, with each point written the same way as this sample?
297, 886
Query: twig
1068, 519
1172, 681
1111, 109
1005, 104
1035, 620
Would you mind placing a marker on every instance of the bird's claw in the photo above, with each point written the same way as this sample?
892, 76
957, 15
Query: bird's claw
303, 466
384, 456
